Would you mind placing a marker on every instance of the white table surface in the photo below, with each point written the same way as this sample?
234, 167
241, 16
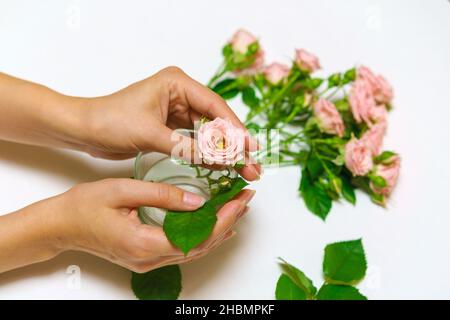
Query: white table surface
95, 47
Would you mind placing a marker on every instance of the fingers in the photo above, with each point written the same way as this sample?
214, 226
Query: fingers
204, 101
135, 193
227, 217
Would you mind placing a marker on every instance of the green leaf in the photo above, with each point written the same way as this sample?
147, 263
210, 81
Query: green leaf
348, 191
314, 166
338, 292
223, 85
344, 262
186, 230
384, 157
377, 181
237, 185
226, 88
350, 75
315, 197
334, 80
230, 94
313, 83
299, 278
227, 50
288, 290
249, 97
159, 284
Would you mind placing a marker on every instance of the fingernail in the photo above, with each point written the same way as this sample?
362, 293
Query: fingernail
256, 173
248, 195
259, 169
193, 200
230, 234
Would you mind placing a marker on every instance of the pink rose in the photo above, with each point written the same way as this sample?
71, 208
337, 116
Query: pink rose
390, 173
384, 92
306, 61
220, 142
378, 114
380, 88
241, 40
361, 102
358, 158
373, 138
328, 117
255, 67
276, 72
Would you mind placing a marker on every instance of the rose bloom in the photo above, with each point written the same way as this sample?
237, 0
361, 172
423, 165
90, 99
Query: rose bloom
255, 67
219, 142
361, 102
373, 138
379, 114
380, 87
276, 72
390, 173
306, 61
358, 157
241, 40
328, 117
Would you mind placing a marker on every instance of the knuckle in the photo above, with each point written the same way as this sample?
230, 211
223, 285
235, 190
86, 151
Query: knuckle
173, 71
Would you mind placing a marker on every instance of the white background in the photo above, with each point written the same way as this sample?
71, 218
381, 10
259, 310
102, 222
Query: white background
92, 48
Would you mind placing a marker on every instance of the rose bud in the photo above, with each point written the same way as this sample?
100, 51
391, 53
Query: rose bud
389, 172
358, 157
328, 117
380, 88
361, 102
276, 72
373, 138
306, 61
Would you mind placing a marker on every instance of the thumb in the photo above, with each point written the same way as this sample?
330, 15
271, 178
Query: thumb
136, 193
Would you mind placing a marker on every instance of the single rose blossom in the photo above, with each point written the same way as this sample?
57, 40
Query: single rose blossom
276, 72
380, 87
241, 40
358, 157
379, 114
385, 93
361, 102
328, 117
255, 67
219, 142
373, 138
306, 61
390, 173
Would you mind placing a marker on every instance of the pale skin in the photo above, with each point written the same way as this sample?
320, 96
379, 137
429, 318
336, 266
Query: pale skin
100, 217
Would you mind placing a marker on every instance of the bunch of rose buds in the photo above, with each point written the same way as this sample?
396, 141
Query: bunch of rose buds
333, 127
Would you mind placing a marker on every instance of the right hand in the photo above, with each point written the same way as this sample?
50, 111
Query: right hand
101, 218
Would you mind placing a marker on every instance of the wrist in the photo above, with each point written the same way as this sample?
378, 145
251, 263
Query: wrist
67, 125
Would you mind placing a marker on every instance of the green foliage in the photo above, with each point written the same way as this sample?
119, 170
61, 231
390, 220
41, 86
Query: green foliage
159, 284
288, 290
339, 292
344, 264
186, 230
315, 197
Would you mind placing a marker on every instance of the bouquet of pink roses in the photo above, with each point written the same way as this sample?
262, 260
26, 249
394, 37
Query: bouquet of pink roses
332, 127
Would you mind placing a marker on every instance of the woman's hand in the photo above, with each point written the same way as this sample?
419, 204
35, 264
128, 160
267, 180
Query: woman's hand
142, 117
101, 218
